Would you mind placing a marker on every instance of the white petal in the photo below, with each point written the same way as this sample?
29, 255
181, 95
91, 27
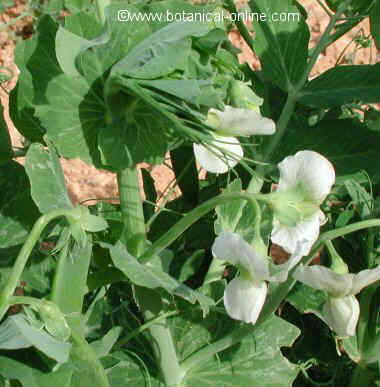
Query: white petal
215, 160
322, 278
244, 300
231, 247
309, 169
279, 273
365, 278
243, 122
342, 314
288, 237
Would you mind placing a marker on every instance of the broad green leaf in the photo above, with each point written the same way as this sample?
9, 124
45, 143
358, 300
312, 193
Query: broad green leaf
375, 23
347, 143
73, 116
38, 65
343, 85
157, 55
46, 177
306, 299
127, 369
5, 140
16, 332
282, 46
31, 377
17, 209
256, 358
152, 277
111, 46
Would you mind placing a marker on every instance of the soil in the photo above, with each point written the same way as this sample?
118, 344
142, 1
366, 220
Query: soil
85, 182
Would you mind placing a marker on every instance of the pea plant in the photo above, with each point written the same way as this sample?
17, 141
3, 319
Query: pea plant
264, 272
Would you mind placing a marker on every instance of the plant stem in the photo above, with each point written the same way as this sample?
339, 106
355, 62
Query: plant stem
143, 327
244, 32
190, 218
101, 5
23, 256
281, 126
149, 301
294, 93
132, 210
83, 350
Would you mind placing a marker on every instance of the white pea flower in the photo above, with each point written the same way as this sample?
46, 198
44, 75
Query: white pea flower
305, 180
341, 311
226, 152
245, 295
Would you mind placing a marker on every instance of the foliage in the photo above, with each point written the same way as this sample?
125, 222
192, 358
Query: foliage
132, 293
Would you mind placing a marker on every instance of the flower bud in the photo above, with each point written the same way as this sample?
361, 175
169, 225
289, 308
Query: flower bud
242, 96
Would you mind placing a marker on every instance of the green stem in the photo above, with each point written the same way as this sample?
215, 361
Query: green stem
281, 126
83, 350
244, 32
144, 327
149, 301
132, 210
190, 218
101, 6
23, 256
323, 42
294, 93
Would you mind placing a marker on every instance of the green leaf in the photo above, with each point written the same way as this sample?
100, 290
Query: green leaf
157, 55
31, 377
128, 370
347, 143
152, 277
6, 152
343, 85
256, 358
306, 299
375, 23
17, 209
281, 45
36, 59
16, 332
73, 116
46, 177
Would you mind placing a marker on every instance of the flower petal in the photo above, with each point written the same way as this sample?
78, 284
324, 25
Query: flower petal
220, 160
309, 169
244, 300
322, 278
365, 278
231, 247
288, 237
243, 122
342, 314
